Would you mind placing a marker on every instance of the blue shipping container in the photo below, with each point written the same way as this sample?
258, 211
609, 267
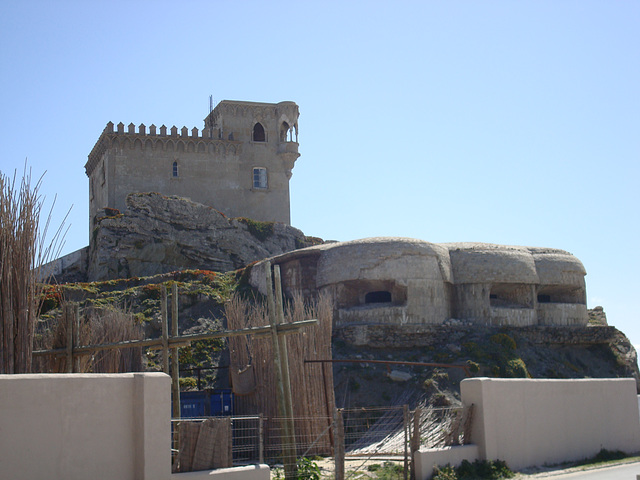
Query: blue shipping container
206, 403
192, 404
221, 402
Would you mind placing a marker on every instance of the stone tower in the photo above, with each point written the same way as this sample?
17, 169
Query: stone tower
239, 164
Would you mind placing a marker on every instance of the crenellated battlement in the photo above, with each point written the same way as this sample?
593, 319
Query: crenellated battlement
159, 139
239, 162
153, 131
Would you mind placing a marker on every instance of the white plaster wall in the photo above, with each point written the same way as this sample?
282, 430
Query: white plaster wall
81, 426
93, 426
535, 422
428, 458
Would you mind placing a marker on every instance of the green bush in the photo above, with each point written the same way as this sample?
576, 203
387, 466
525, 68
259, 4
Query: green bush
516, 368
444, 473
188, 383
473, 366
605, 455
504, 340
390, 471
478, 470
308, 469
260, 230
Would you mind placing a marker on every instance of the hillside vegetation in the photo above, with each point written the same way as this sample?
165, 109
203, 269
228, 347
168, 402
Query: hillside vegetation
600, 351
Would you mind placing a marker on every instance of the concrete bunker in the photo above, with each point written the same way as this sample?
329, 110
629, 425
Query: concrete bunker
371, 293
510, 295
401, 281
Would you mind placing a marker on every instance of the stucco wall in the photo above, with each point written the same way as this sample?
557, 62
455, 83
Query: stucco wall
428, 458
85, 426
93, 426
536, 422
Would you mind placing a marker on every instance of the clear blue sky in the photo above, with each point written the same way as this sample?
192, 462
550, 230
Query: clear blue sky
511, 122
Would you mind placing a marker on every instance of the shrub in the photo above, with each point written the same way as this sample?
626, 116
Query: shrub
444, 473
473, 366
308, 469
504, 340
516, 368
188, 383
479, 469
260, 230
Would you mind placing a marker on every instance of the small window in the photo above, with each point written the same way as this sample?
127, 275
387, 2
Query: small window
258, 133
260, 177
175, 169
381, 296
544, 298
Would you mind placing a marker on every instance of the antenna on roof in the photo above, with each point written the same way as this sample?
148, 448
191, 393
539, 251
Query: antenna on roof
210, 116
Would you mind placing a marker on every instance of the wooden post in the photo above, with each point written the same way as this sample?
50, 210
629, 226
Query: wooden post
405, 422
284, 355
415, 439
326, 400
165, 329
76, 336
68, 317
338, 425
288, 460
175, 364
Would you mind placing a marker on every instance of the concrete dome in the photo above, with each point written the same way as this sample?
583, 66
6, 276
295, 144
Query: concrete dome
382, 258
557, 267
489, 263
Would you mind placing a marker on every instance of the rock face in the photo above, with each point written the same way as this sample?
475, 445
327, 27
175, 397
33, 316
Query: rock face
159, 234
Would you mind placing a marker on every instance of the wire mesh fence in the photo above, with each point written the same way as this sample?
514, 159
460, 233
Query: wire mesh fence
305, 444
246, 438
351, 442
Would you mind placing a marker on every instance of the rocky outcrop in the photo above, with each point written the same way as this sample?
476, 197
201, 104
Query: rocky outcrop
159, 234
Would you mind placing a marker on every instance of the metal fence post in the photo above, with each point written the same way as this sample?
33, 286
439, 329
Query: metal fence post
415, 439
261, 439
339, 444
405, 424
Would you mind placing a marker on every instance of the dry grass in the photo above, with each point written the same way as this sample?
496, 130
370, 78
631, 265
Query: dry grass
24, 248
94, 327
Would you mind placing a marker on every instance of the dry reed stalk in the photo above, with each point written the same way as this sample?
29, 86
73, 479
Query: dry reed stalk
111, 326
24, 248
97, 326
311, 384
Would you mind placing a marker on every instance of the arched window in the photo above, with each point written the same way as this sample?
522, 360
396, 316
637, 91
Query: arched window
284, 130
380, 296
175, 169
258, 133
260, 177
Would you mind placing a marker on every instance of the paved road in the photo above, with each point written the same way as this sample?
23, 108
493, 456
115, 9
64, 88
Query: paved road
628, 471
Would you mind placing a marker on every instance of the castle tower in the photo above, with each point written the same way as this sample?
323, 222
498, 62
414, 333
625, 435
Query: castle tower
240, 164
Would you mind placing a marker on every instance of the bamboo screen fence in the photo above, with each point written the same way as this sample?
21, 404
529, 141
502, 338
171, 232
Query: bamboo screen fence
252, 366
